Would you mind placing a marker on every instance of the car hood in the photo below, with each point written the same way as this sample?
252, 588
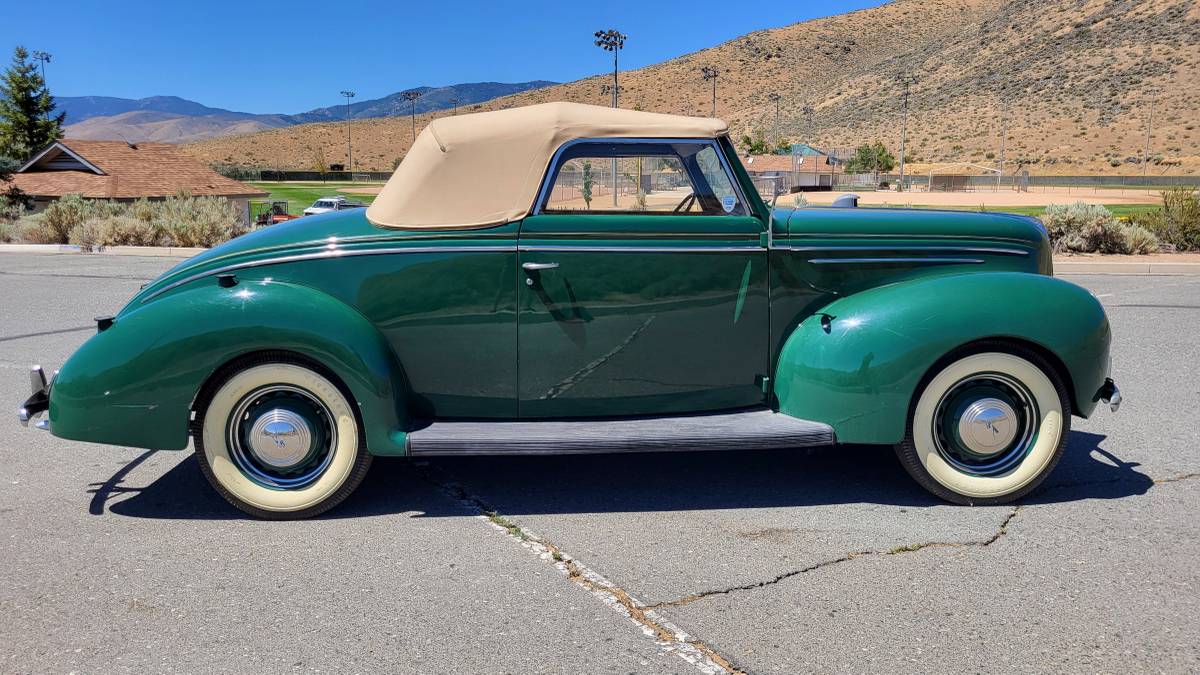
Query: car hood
302, 235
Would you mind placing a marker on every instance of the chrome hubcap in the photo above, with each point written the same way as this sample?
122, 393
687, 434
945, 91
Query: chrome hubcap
987, 426
280, 438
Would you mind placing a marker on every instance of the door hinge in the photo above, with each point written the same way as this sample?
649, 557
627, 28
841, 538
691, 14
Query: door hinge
764, 240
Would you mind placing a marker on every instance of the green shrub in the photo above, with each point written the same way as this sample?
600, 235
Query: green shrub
34, 230
1177, 221
198, 221
1139, 240
118, 231
1078, 226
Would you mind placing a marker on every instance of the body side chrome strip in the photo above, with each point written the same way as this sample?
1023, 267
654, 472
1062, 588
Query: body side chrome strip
329, 253
640, 249
877, 261
909, 249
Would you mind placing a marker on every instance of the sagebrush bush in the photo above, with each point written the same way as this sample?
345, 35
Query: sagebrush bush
181, 220
199, 221
1067, 223
1177, 220
1091, 228
1139, 240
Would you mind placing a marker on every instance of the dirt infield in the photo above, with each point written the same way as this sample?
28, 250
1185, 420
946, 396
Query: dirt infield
989, 199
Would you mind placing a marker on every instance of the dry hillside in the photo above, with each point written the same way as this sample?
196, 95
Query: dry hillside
1077, 78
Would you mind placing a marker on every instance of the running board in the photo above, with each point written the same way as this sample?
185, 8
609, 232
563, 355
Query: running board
748, 430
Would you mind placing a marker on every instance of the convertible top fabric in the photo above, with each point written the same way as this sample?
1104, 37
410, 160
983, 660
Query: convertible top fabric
482, 169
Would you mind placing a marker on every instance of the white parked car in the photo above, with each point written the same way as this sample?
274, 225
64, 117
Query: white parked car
327, 204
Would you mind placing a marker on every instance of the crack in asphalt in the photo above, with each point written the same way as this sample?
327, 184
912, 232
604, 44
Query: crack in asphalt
1176, 479
899, 550
9, 338
664, 633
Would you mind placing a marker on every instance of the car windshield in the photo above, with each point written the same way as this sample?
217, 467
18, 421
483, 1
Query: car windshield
324, 204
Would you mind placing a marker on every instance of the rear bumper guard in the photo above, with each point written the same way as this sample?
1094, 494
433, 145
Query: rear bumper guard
37, 403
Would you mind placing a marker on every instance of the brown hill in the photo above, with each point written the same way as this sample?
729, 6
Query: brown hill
164, 127
1077, 78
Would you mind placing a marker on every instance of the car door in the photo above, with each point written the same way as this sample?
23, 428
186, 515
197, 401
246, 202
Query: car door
642, 284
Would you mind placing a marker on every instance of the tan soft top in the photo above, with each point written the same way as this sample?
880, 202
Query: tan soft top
485, 168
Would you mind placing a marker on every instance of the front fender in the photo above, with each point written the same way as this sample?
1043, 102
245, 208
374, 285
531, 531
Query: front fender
134, 383
856, 364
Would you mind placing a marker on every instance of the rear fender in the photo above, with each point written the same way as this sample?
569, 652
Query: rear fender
134, 383
856, 363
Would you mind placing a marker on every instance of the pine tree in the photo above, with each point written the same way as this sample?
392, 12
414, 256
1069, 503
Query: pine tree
26, 124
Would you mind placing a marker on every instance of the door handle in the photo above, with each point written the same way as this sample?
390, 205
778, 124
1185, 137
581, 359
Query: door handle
537, 267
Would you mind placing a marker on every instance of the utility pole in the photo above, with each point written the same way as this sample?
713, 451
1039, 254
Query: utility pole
411, 96
44, 57
711, 74
349, 148
774, 98
1149, 130
1003, 140
906, 80
612, 40
454, 102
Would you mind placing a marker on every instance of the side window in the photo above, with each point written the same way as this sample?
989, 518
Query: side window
640, 177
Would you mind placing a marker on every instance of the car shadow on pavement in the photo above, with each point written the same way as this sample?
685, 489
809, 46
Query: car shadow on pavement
630, 482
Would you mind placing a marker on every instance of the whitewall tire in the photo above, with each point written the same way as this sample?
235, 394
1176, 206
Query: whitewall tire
988, 426
280, 440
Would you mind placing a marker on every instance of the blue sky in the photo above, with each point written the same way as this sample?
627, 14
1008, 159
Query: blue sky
293, 56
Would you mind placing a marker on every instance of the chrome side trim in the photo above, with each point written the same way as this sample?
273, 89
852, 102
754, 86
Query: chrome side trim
909, 249
884, 261
329, 253
639, 249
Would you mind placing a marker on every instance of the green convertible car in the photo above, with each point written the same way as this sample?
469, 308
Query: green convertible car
565, 278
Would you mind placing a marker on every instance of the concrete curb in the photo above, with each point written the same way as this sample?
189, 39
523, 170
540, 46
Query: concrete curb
145, 251
1163, 268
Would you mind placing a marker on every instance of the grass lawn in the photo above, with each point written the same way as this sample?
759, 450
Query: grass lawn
301, 195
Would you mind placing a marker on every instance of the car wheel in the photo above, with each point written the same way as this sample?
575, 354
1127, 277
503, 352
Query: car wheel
987, 427
280, 441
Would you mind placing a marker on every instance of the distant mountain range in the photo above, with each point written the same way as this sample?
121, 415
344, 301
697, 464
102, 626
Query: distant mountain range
171, 119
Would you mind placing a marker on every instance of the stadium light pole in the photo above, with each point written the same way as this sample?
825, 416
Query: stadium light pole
1003, 141
44, 58
775, 98
710, 73
612, 40
349, 148
411, 96
808, 111
1149, 130
906, 80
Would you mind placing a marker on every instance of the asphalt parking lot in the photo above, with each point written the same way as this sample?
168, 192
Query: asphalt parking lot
118, 559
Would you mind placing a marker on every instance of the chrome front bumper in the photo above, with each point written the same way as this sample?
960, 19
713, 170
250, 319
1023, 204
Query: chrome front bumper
1110, 394
38, 403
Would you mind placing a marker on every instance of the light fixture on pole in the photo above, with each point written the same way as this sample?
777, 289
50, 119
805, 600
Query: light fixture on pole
349, 148
906, 80
775, 98
411, 96
710, 74
612, 41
